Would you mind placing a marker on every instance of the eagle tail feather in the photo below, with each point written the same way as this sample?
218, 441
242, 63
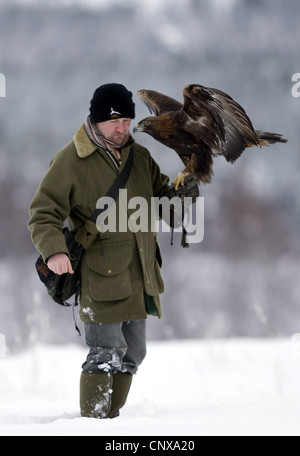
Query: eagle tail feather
266, 138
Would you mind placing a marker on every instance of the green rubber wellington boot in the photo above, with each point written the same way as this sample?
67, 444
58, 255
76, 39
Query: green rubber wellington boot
95, 394
120, 385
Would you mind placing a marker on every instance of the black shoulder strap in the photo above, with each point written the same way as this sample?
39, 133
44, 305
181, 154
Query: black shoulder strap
118, 184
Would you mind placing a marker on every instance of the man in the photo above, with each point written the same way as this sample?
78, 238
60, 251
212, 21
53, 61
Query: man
120, 272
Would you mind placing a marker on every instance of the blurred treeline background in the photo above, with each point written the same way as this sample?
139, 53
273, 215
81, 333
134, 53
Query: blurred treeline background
243, 280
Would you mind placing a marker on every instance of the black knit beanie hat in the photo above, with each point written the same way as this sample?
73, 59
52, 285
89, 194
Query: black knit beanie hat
112, 101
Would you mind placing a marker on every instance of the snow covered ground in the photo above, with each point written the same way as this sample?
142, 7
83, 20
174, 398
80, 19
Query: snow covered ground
232, 387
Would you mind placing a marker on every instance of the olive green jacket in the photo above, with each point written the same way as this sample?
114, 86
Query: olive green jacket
119, 267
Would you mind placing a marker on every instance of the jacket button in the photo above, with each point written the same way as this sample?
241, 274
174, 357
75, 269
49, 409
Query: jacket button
109, 271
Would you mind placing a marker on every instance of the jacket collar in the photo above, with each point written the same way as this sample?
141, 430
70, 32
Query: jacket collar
83, 144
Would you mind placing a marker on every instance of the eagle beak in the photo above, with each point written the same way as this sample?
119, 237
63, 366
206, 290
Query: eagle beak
138, 128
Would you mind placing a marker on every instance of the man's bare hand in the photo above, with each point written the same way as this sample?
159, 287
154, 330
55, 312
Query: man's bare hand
60, 264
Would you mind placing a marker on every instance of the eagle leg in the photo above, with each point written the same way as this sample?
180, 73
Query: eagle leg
179, 180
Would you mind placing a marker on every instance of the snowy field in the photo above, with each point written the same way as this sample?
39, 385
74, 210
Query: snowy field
237, 387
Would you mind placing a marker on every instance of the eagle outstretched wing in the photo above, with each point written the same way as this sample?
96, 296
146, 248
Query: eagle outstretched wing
158, 103
223, 124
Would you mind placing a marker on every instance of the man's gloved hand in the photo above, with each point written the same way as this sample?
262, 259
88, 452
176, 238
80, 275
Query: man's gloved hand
189, 189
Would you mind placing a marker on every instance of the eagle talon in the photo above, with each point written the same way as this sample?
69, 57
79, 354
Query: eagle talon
179, 180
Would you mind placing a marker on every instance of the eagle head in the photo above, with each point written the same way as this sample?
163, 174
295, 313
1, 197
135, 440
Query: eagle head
159, 127
155, 126
143, 126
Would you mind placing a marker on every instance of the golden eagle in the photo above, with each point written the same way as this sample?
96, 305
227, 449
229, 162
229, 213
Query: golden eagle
209, 123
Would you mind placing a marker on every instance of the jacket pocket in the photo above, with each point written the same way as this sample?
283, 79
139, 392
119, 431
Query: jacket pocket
109, 274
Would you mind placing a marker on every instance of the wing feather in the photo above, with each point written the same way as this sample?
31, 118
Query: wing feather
223, 124
158, 103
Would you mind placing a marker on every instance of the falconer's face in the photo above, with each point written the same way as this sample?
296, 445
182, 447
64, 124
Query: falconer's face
116, 130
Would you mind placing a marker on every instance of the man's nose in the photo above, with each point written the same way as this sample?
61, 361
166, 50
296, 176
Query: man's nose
121, 128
